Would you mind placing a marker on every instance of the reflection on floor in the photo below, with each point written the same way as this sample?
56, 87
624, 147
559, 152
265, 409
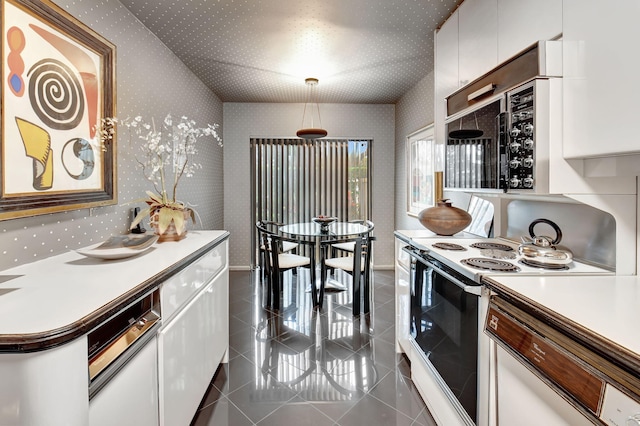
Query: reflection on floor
301, 367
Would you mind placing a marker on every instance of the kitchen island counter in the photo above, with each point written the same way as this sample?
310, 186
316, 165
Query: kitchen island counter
54, 300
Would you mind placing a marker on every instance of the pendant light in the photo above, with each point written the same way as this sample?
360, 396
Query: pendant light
311, 132
466, 133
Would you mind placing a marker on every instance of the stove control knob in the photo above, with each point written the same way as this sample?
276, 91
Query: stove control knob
515, 163
515, 146
515, 132
528, 143
528, 129
515, 99
514, 182
633, 420
528, 162
527, 182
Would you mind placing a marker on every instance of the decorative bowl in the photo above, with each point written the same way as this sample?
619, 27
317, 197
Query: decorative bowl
324, 220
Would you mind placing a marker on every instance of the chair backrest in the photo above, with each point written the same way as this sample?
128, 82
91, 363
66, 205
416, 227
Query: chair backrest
363, 245
366, 223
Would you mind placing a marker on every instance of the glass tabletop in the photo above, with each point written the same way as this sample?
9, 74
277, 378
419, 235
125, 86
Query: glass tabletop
336, 229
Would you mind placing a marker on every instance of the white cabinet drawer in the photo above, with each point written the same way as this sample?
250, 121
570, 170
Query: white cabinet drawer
180, 288
131, 396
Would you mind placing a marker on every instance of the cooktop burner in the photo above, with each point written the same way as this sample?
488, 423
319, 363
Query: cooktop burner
498, 254
490, 264
449, 246
495, 246
534, 264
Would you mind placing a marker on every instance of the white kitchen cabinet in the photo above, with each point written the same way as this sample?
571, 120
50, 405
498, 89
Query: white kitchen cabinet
131, 396
523, 22
477, 38
600, 64
403, 313
191, 347
446, 71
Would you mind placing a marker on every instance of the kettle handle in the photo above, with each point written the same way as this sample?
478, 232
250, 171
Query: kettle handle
555, 227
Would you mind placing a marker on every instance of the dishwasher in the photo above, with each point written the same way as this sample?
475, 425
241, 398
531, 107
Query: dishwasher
545, 376
118, 339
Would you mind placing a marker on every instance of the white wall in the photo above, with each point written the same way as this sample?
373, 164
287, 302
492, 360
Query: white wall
141, 90
245, 120
413, 112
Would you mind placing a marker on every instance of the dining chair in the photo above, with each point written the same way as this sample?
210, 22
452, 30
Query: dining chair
349, 245
278, 262
357, 264
269, 227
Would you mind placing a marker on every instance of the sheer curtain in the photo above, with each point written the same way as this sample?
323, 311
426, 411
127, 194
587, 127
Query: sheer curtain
293, 180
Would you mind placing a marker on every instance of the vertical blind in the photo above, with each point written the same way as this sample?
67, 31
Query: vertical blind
294, 180
470, 163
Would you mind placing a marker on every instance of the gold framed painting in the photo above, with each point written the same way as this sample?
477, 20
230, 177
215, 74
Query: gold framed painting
58, 80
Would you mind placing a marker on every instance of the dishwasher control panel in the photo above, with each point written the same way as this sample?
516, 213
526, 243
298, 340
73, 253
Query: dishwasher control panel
618, 409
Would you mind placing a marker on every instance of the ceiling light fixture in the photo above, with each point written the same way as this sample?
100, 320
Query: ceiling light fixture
311, 132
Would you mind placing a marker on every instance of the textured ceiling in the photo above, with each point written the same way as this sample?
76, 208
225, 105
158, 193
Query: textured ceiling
362, 51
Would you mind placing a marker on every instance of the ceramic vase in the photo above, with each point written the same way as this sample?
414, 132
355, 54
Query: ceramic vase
171, 233
444, 219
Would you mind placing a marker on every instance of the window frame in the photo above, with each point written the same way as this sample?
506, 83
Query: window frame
420, 154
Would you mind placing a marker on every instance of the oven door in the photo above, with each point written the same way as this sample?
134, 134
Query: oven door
444, 330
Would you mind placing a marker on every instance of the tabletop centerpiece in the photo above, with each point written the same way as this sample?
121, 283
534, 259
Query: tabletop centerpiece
324, 222
167, 156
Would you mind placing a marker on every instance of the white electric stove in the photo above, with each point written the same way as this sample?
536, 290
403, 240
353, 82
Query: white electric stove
478, 257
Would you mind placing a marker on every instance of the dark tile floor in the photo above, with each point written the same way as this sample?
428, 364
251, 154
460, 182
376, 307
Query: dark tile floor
300, 366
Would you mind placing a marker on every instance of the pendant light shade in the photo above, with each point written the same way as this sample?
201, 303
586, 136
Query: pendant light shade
311, 132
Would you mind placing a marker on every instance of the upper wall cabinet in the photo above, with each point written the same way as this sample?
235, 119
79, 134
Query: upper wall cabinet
523, 22
481, 34
446, 70
600, 90
478, 39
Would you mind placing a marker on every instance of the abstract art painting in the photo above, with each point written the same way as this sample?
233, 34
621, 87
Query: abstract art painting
58, 81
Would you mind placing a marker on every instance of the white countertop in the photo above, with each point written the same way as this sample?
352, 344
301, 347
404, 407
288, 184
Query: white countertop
609, 306
58, 291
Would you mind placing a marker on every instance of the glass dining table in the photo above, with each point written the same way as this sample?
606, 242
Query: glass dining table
336, 230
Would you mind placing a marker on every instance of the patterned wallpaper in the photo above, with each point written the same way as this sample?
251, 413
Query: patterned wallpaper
141, 90
414, 111
244, 120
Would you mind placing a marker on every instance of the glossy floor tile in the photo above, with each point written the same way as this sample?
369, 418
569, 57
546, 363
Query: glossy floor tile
303, 366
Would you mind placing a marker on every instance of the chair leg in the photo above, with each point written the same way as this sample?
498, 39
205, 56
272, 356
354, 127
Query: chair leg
314, 290
367, 293
275, 291
356, 294
269, 285
323, 278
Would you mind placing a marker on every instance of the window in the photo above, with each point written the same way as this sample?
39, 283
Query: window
294, 180
420, 168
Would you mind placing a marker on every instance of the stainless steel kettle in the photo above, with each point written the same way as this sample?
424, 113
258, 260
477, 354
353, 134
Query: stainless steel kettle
544, 250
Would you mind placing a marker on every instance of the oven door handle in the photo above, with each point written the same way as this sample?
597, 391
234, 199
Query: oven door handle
476, 290
471, 289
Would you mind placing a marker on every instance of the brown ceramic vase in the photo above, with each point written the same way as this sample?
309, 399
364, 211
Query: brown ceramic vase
444, 219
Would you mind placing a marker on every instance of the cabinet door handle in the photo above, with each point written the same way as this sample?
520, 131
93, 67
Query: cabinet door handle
482, 91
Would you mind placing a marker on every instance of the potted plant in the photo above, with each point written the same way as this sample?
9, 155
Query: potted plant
167, 154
